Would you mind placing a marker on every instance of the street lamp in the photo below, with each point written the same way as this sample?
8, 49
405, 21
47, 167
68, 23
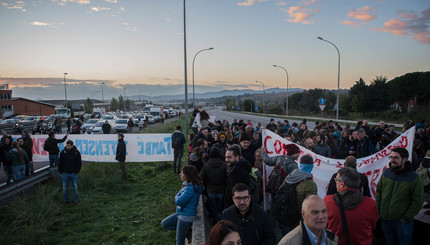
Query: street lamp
194, 98
103, 96
338, 76
65, 88
286, 107
264, 97
185, 73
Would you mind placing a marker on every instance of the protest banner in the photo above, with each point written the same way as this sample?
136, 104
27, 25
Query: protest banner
372, 166
102, 147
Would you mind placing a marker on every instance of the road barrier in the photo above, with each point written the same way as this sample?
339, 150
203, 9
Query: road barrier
21, 185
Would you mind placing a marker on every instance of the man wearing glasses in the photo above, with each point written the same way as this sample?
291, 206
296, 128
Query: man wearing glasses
399, 197
256, 227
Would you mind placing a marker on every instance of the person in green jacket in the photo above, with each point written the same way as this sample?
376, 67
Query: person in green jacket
18, 158
399, 197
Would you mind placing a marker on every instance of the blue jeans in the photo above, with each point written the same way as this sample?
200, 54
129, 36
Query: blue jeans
173, 223
177, 158
397, 232
66, 179
18, 172
8, 173
53, 160
215, 205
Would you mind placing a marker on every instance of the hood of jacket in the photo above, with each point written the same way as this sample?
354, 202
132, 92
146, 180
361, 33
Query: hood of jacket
194, 157
215, 162
425, 163
297, 176
351, 198
72, 150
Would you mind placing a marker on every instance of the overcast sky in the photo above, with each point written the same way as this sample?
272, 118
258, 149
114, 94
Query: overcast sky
140, 42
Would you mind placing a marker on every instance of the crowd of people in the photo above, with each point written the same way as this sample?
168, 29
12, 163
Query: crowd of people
227, 160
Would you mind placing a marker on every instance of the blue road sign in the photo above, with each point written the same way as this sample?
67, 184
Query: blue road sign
256, 108
322, 101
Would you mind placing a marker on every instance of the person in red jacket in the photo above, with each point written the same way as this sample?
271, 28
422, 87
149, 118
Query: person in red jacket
361, 213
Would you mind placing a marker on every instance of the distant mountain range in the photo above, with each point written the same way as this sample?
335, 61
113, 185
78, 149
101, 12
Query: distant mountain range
208, 95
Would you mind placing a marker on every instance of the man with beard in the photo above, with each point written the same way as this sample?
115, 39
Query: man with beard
235, 174
398, 208
256, 227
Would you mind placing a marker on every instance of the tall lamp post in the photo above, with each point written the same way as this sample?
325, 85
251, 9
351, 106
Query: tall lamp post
194, 98
185, 73
338, 76
286, 107
65, 88
103, 96
264, 97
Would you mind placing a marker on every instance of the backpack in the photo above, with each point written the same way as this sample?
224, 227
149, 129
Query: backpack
284, 205
46, 146
275, 179
176, 141
424, 174
253, 189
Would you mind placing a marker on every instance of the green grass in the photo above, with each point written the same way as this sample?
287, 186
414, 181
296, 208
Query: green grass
111, 211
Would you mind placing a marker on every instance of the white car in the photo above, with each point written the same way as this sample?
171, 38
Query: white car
97, 129
108, 117
139, 123
89, 124
150, 118
121, 125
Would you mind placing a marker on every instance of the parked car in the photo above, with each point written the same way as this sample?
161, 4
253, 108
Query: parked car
31, 119
9, 124
97, 129
150, 118
89, 124
121, 125
109, 117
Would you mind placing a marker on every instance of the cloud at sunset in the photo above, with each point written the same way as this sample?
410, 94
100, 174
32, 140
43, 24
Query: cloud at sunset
360, 16
250, 2
409, 24
38, 23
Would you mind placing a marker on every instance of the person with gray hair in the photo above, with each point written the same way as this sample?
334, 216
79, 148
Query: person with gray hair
347, 207
351, 162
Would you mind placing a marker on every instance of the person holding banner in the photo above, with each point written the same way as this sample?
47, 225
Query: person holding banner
51, 146
121, 152
288, 162
398, 208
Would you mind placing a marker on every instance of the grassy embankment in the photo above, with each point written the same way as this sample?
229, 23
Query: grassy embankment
111, 211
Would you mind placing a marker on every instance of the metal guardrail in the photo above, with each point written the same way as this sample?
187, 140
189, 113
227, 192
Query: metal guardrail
18, 186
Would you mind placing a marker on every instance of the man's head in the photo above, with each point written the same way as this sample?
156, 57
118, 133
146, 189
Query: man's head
120, 136
314, 213
51, 134
353, 135
350, 162
361, 134
179, 128
202, 143
307, 163
365, 123
382, 124
222, 136
256, 136
69, 144
205, 132
241, 197
232, 156
272, 121
258, 159
244, 141
309, 143
106, 122
285, 122
20, 141
398, 158
292, 150
347, 178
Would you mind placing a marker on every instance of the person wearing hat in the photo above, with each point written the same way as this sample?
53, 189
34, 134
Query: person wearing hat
121, 152
222, 143
288, 162
272, 125
247, 149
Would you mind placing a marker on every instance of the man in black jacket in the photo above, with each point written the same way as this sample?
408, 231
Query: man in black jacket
178, 141
236, 173
51, 146
121, 152
69, 166
106, 127
256, 227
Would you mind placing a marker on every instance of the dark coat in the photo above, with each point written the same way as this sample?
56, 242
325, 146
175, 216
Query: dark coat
181, 136
51, 145
121, 151
256, 227
235, 175
4, 150
70, 161
214, 176
106, 128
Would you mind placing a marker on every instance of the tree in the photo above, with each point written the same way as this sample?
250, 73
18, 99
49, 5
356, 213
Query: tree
127, 104
379, 95
229, 104
358, 94
248, 105
114, 104
404, 89
88, 106
121, 103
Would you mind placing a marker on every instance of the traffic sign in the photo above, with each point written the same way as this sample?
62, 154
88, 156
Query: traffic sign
322, 107
322, 101
256, 108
